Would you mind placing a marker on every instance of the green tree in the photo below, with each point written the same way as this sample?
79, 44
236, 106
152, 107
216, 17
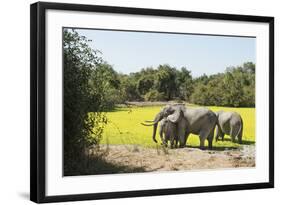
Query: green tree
110, 85
145, 83
200, 95
166, 81
81, 129
184, 84
235, 87
129, 89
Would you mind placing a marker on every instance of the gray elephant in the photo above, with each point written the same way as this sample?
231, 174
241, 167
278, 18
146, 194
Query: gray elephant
169, 129
199, 121
229, 123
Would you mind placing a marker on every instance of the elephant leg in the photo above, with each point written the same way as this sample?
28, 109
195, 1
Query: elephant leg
210, 143
202, 143
172, 140
240, 137
218, 133
232, 135
186, 137
181, 137
177, 140
182, 142
238, 134
210, 139
203, 136
222, 136
165, 141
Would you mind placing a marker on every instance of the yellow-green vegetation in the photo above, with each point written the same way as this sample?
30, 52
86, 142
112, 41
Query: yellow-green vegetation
124, 127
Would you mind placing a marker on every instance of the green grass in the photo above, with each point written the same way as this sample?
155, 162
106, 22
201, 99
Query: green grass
124, 127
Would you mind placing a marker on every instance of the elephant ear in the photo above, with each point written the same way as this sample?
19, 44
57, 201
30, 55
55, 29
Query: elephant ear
175, 116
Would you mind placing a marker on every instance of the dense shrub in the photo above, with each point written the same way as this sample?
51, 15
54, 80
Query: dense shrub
82, 95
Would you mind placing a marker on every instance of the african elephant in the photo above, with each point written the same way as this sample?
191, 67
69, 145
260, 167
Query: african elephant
169, 129
229, 123
199, 121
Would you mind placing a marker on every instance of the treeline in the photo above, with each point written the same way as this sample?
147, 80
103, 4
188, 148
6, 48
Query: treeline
235, 87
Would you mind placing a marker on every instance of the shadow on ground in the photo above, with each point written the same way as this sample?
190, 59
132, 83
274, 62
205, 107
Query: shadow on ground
223, 148
215, 148
248, 142
244, 142
98, 165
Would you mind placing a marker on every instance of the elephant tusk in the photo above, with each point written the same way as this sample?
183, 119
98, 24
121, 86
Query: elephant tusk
147, 124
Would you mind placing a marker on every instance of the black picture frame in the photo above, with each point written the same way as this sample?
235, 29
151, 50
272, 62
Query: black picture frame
38, 100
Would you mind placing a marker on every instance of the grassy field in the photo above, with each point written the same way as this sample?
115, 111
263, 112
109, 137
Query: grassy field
124, 127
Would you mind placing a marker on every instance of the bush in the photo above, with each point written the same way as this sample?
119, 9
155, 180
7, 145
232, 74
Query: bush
81, 130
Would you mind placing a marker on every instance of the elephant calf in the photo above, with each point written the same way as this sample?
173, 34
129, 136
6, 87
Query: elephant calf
229, 123
169, 129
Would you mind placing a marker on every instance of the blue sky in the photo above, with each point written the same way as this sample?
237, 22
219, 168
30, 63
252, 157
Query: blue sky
131, 51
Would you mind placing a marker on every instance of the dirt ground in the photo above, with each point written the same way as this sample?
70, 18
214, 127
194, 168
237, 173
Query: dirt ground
133, 158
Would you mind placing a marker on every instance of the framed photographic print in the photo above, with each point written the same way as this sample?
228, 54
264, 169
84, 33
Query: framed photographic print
129, 102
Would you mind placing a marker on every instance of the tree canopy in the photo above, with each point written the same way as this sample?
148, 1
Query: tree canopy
235, 87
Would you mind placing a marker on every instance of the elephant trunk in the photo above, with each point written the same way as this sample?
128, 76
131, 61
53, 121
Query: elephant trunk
157, 118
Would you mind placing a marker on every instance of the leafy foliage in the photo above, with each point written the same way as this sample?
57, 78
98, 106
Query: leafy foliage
234, 88
83, 93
